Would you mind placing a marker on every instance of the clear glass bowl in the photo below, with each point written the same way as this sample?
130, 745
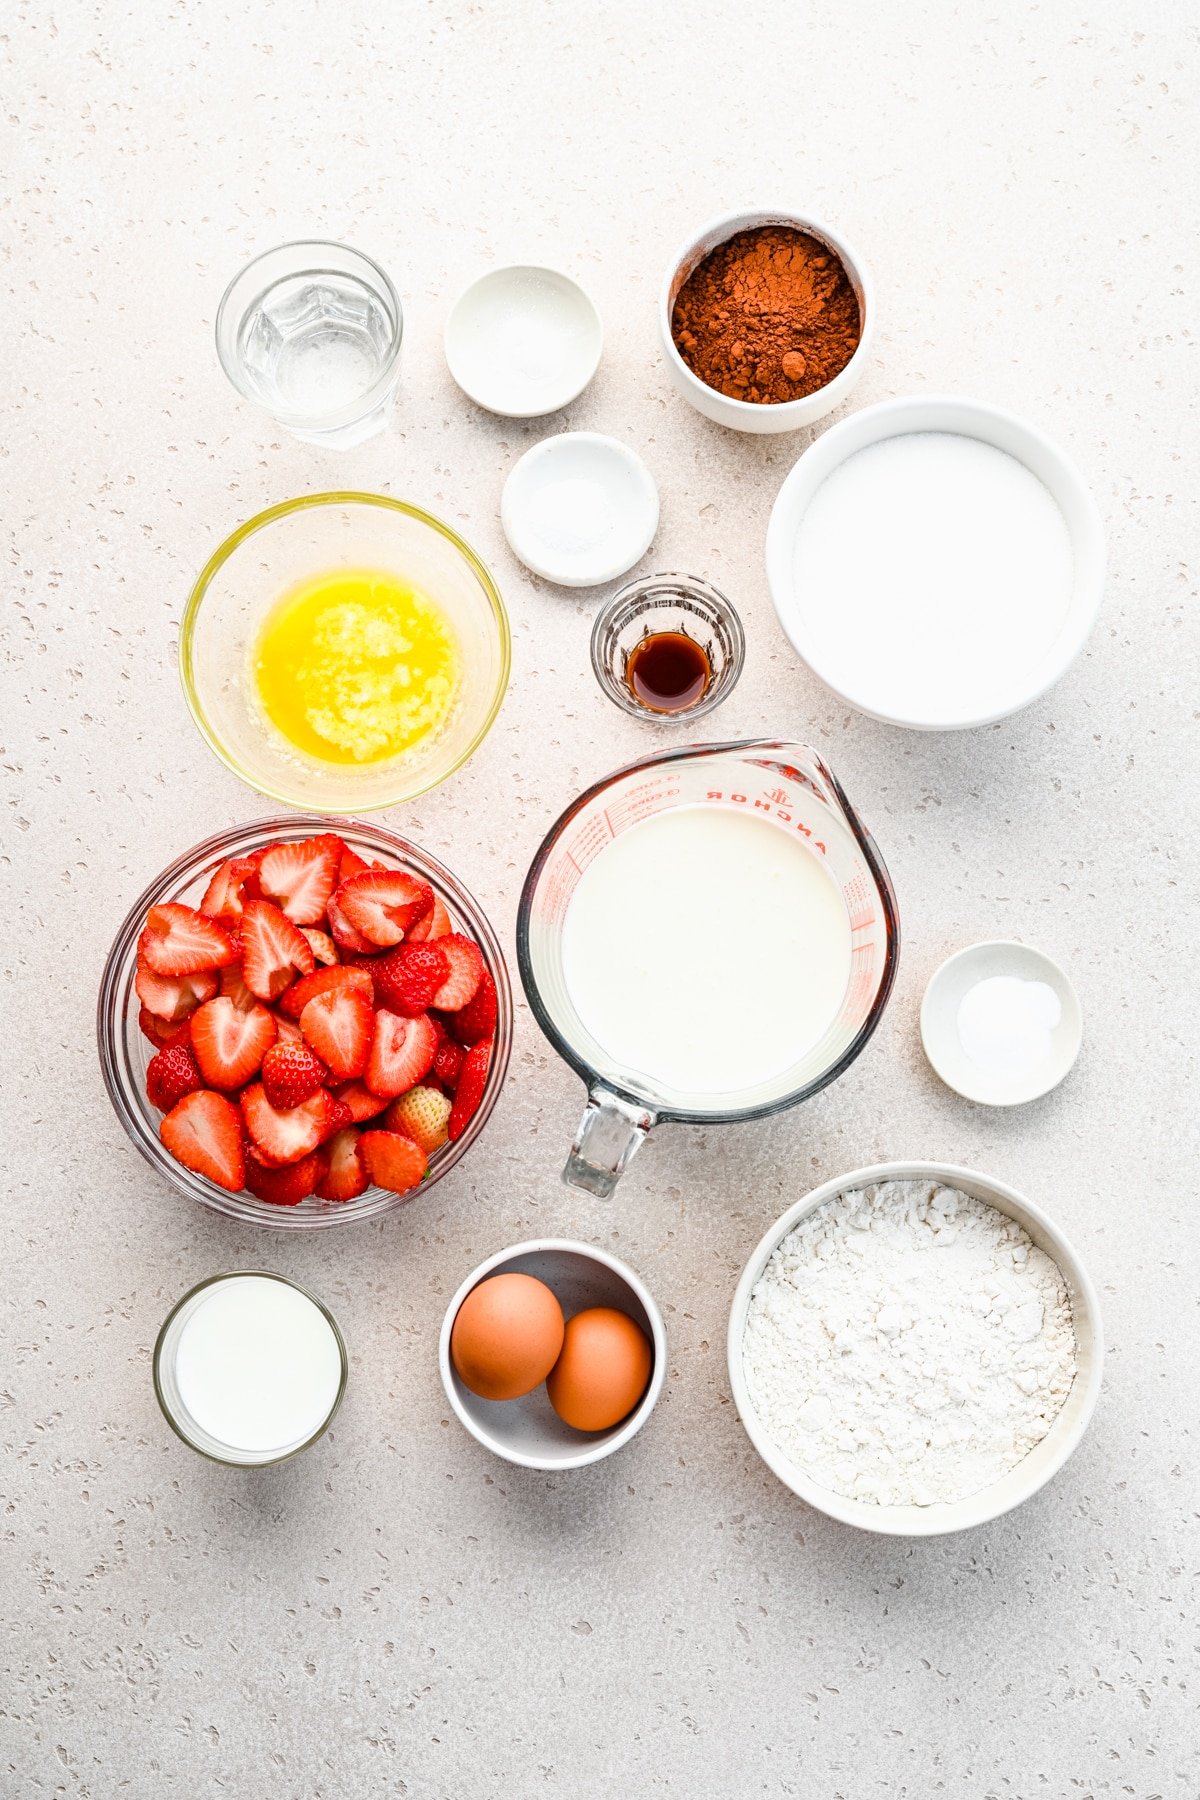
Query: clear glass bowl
298, 540
125, 1052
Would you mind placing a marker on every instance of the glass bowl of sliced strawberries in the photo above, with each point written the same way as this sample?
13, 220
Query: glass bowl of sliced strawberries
304, 1020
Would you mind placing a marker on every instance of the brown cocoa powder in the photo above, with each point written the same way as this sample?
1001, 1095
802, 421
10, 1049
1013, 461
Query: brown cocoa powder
768, 316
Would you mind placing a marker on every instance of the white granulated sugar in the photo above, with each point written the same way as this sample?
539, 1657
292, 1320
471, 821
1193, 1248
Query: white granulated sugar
907, 1344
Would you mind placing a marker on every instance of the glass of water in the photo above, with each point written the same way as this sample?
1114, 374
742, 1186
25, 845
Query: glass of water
312, 332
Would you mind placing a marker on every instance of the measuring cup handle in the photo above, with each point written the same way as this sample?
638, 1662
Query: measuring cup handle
610, 1134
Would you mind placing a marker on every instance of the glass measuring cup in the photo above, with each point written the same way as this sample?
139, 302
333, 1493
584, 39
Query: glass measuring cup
793, 789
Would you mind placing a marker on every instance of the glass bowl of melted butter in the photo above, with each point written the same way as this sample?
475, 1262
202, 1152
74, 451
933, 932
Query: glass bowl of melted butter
344, 651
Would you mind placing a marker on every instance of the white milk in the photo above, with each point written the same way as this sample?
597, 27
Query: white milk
706, 949
258, 1365
933, 573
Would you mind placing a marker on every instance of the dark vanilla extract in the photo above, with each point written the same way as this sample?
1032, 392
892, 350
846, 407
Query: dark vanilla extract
668, 672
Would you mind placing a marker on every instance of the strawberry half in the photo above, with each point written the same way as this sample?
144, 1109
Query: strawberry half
173, 998
393, 1161
342, 1171
351, 864
230, 1044
477, 1019
383, 903
204, 1133
223, 897
160, 1031
435, 924
284, 1136
321, 944
344, 934
178, 940
273, 952
407, 978
286, 1186
338, 1024
324, 981
466, 972
402, 1051
471, 1082
172, 1074
448, 1062
290, 1073
422, 1115
300, 877
359, 1101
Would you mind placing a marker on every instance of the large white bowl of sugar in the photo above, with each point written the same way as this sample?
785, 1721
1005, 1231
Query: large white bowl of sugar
936, 562
1020, 1481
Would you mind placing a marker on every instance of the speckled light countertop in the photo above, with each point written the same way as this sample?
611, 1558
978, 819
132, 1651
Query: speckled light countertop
397, 1613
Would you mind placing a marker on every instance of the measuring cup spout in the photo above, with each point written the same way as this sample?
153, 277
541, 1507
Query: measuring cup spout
610, 1134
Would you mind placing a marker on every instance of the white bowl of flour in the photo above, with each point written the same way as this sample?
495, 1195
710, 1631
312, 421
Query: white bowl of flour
914, 1348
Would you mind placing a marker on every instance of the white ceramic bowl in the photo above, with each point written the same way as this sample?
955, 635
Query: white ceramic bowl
528, 1431
967, 418
939, 1022
579, 508
1043, 1461
522, 341
747, 415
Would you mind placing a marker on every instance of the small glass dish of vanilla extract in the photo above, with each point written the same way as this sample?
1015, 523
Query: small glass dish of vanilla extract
668, 647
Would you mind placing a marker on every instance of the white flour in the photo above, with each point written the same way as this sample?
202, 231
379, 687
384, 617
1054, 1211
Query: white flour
906, 1344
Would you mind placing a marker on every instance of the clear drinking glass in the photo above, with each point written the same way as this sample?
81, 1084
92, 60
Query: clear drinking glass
685, 606
790, 787
312, 332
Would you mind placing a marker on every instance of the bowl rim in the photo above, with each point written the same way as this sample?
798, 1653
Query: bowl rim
978, 419
751, 218
488, 278
1055, 975
619, 453
260, 522
939, 1519
590, 1453
113, 1021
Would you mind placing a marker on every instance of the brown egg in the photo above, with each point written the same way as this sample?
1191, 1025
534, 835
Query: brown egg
603, 1369
506, 1336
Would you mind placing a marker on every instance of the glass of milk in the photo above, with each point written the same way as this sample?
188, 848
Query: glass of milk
249, 1368
706, 936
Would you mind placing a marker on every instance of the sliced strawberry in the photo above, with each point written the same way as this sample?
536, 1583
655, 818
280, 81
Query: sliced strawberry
471, 1082
448, 1062
230, 1044
435, 924
338, 1025
343, 1174
383, 903
351, 864
477, 1019
340, 1118
393, 1161
235, 989
466, 972
273, 952
178, 940
172, 1074
204, 1133
402, 1051
170, 998
321, 944
361, 1103
323, 981
160, 1031
286, 1136
286, 1186
423, 1115
344, 934
407, 978
223, 897
289, 1031
300, 877
290, 1073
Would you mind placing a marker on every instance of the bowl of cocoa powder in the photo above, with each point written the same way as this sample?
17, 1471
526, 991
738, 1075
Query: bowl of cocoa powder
766, 320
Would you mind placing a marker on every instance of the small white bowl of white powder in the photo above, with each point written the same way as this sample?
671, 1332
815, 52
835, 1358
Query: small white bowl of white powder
914, 1348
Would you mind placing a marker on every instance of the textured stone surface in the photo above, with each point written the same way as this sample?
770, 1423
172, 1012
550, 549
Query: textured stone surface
397, 1613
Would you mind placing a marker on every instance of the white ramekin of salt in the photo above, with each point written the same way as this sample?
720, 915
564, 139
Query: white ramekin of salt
936, 562
1001, 1023
914, 1348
